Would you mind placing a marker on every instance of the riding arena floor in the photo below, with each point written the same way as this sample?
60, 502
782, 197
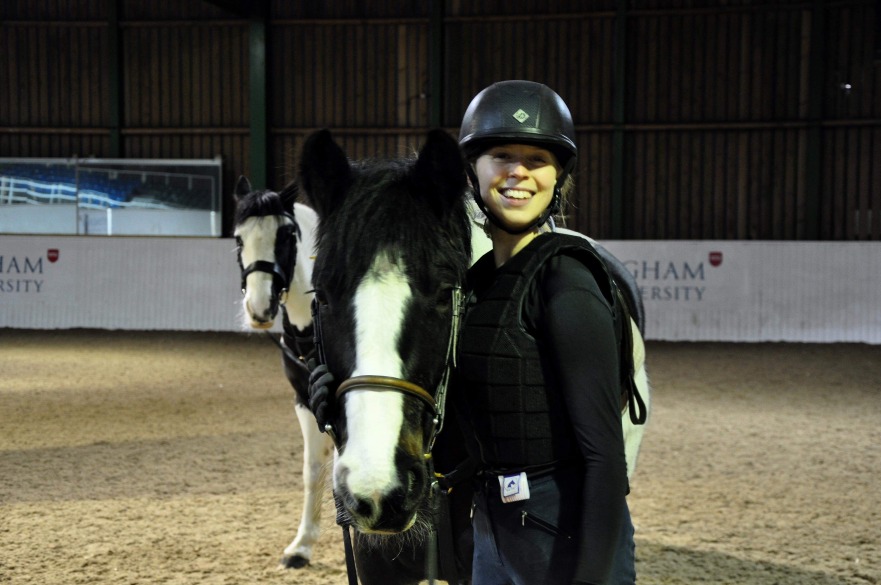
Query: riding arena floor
175, 458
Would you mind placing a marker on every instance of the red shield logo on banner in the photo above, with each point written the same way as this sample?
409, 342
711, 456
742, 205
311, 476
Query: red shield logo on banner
52, 254
715, 258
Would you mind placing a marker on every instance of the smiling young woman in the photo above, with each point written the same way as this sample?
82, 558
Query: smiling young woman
538, 386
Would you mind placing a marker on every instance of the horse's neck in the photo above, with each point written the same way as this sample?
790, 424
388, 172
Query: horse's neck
299, 304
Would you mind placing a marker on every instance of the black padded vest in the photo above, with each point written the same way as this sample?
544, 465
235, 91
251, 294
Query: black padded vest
518, 420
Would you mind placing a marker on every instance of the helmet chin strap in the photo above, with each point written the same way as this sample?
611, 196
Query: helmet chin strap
552, 208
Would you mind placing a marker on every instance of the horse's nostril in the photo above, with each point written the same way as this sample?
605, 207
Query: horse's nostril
416, 478
364, 507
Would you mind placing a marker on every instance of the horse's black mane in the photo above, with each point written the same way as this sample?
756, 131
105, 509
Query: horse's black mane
383, 212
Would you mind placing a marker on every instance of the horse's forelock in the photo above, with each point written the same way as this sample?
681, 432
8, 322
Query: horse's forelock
383, 214
258, 204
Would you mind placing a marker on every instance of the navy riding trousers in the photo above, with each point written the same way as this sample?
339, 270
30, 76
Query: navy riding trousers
530, 542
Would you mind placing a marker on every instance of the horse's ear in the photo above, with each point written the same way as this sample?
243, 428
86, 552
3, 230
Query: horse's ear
440, 170
289, 195
325, 173
243, 187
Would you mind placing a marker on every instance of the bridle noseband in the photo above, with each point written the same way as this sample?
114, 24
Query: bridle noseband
385, 383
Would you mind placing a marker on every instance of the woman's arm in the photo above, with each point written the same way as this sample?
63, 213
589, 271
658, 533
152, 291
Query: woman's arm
576, 336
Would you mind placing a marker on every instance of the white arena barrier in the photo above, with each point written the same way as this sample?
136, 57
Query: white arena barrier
693, 290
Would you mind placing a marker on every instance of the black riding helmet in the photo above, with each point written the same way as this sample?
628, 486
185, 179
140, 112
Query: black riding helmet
519, 112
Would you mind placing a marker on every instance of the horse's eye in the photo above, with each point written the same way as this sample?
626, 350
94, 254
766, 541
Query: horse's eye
238, 242
444, 298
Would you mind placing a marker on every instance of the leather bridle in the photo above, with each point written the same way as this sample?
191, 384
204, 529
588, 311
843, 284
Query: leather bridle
436, 405
282, 274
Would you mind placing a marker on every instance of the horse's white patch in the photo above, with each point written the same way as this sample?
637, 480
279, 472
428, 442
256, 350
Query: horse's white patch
258, 243
374, 419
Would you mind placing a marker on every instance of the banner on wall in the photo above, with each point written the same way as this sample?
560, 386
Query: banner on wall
693, 291
757, 291
141, 283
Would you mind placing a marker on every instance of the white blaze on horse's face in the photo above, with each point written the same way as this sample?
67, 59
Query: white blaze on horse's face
374, 419
258, 235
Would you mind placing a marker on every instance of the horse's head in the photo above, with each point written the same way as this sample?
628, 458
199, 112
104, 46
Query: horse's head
266, 243
393, 245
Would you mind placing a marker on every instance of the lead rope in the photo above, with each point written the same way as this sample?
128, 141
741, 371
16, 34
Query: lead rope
342, 518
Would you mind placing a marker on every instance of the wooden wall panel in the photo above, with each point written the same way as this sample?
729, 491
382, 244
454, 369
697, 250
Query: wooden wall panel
377, 79
687, 67
573, 56
716, 185
54, 77
853, 164
52, 10
193, 76
348, 10
718, 96
852, 61
590, 206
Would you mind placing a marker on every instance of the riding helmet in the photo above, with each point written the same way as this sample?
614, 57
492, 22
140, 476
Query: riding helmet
515, 112
519, 111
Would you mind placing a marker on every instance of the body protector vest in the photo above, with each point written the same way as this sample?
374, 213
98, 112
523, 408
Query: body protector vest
518, 421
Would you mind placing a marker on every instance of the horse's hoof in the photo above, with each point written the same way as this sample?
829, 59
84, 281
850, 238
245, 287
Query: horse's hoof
294, 562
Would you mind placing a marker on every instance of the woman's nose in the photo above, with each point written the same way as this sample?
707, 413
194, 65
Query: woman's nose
516, 168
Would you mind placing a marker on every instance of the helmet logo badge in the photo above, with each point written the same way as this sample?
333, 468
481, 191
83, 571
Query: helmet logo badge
520, 116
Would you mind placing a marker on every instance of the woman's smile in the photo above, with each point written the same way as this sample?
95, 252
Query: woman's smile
515, 194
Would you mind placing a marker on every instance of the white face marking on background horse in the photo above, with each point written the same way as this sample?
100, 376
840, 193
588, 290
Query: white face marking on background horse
374, 419
258, 235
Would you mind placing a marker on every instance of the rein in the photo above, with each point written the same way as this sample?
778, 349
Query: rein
437, 406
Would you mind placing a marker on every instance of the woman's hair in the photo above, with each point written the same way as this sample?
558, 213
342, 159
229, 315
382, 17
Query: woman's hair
566, 190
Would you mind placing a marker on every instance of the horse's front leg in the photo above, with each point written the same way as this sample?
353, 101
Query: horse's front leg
317, 451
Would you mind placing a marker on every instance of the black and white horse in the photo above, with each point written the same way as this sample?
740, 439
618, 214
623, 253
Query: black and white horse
394, 243
275, 242
393, 247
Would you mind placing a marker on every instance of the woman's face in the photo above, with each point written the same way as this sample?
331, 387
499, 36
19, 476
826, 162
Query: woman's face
517, 182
